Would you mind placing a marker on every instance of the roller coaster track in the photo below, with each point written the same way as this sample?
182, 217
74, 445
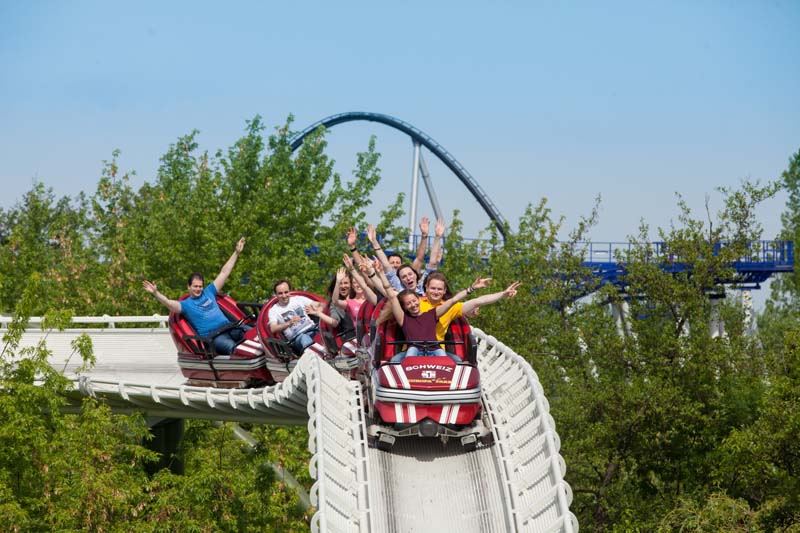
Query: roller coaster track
516, 484
425, 140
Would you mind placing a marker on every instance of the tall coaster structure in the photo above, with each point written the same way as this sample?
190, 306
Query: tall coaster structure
419, 139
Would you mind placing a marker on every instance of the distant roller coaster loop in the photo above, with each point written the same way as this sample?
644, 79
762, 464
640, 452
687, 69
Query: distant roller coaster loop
425, 140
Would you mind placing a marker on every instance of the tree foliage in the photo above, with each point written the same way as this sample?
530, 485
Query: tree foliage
60, 257
657, 415
663, 424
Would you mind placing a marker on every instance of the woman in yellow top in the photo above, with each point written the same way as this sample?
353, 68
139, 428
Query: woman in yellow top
437, 291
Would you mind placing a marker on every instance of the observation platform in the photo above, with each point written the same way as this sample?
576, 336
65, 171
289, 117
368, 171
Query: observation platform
761, 260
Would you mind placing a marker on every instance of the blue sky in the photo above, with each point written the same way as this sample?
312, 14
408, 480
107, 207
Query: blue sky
632, 101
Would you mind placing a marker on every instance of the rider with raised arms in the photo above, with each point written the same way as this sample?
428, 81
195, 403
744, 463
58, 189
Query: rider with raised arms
201, 308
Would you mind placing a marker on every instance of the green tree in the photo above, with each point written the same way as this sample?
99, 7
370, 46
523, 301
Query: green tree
119, 262
786, 288
293, 209
87, 471
46, 236
643, 416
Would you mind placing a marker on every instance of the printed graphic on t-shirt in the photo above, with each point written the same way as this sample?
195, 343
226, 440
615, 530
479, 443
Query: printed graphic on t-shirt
304, 324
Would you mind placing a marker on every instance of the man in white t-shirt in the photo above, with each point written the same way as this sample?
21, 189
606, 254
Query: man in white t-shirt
289, 317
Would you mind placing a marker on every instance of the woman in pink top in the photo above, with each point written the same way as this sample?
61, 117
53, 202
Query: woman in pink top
359, 291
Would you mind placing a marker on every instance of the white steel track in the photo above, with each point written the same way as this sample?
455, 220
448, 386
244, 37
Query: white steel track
516, 484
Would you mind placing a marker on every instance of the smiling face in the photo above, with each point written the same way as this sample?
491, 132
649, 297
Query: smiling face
359, 290
344, 287
435, 291
407, 277
410, 304
282, 291
395, 260
195, 287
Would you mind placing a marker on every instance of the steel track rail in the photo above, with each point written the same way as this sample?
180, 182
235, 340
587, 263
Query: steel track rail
427, 141
516, 484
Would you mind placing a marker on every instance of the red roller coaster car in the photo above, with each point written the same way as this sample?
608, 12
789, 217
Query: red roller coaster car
424, 396
341, 348
203, 366
282, 358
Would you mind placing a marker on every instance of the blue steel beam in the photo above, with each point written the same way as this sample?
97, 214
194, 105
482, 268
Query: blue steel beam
761, 260
427, 141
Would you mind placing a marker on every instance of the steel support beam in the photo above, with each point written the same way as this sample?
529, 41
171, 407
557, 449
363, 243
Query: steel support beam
412, 214
426, 178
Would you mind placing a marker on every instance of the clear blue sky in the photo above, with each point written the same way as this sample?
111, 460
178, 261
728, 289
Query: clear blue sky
563, 100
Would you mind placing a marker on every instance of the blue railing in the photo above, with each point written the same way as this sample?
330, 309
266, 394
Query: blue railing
769, 253
606, 260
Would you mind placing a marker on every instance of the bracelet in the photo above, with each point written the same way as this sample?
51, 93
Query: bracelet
387, 287
354, 248
372, 275
376, 249
470, 289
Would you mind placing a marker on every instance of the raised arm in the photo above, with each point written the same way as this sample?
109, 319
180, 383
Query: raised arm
373, 239
394, 303
315, 308
380, 281
352, 244
424, 229
370, 277
368, 272
479, 283
436, 247
487, 299
369, 294
172, 305
335, 298
435, 260
222, 277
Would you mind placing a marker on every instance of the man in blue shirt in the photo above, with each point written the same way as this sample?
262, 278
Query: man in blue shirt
201, 308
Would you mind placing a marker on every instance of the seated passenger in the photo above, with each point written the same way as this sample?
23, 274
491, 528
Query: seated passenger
402, 276
395, 260
418, 328
289, 317
340, 292
437, 290
360, 293
201, 308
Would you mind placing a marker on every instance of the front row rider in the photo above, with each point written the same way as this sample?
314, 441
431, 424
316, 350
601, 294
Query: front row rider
201, 308
419, 327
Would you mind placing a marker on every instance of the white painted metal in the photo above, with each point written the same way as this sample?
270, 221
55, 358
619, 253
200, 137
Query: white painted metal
337, 440
412, 214
517, 484
747, 307
426, 179
111, 321
536, 495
